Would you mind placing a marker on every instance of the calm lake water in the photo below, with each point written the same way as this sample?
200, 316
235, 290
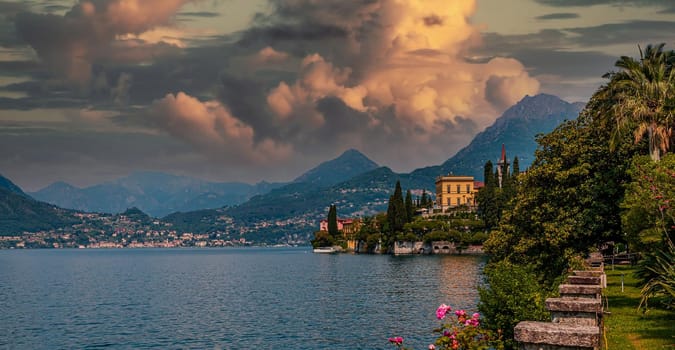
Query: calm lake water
248, 298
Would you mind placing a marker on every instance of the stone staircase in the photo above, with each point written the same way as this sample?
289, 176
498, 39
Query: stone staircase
576, 316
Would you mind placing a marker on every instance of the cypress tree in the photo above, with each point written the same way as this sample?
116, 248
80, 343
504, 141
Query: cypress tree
487, 198
332, 221
391, 213
516, 167
396, 212
399, 207
424, 201
409, 208
487, 174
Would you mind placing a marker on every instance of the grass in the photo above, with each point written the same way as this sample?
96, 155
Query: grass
626, 327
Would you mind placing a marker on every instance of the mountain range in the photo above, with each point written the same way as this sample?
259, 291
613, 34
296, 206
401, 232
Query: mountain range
19, 212
298, 206
276, 212
157, 194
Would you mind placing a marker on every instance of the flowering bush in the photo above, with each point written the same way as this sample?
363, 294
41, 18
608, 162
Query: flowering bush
459, 333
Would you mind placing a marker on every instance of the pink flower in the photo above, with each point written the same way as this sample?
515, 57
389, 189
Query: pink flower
432, 347
472, 322
460, 313
442, 310
396, 340
475, 316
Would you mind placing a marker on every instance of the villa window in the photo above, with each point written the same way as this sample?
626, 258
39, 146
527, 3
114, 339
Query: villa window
468, 188
458, 190
459, 201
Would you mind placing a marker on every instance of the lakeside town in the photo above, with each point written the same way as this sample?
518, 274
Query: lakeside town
448, 218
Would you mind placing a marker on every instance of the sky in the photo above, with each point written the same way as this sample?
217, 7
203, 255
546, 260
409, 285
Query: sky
252, 90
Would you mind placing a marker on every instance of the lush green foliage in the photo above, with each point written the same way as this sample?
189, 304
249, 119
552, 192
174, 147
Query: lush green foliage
645, 94
511, 294
657, 273
323, 239
649, 216
20, 213
571, 199
568, 202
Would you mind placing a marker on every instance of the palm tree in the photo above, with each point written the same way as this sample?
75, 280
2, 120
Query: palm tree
645, 97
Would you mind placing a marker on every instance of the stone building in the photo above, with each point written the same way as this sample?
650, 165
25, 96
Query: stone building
455, 190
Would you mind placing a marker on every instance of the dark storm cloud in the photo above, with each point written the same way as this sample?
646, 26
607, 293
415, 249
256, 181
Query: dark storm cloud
547, 60
552, 51
346, 126
246, 98
560, 15
90, 32
633, 32
30, 103
85, 156
574, 3
55, 8
287, 32
10, 8
200, 14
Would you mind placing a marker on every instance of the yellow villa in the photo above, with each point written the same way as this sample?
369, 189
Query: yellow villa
453, 191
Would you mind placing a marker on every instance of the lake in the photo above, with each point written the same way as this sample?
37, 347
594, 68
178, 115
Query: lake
232, 298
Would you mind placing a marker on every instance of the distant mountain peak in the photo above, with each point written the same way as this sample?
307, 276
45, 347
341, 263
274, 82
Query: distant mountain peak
516, 129
349, 164
9, 185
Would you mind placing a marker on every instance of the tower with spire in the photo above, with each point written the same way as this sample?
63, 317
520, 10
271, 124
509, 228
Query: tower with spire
502, 166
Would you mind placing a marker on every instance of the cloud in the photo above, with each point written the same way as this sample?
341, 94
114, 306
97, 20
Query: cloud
559, 15
632, 32
95, 30
200, 14
575, 56
575, 3
311, 77
270, 55
401, 58
212, 128
500, 90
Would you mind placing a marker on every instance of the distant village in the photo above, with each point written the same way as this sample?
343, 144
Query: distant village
452, 223
127, 230
449, 215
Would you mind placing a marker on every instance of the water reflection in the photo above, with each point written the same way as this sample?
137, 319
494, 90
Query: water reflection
226, 298
459, 277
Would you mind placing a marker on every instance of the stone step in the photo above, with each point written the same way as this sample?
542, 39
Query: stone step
588, 273
562, 335
580, 290
574, 305
583, 280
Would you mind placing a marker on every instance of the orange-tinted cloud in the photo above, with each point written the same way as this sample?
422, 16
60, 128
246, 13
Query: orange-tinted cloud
95, 30
210, 127
404, 57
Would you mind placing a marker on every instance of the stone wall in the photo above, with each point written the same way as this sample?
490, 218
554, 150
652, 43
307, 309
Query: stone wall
436, 247
576, 317
407, 247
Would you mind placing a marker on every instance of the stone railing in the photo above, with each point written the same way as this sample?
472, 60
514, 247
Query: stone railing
576, 315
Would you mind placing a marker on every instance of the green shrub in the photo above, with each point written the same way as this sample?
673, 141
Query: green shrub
436, 235
322, 239
511, 295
